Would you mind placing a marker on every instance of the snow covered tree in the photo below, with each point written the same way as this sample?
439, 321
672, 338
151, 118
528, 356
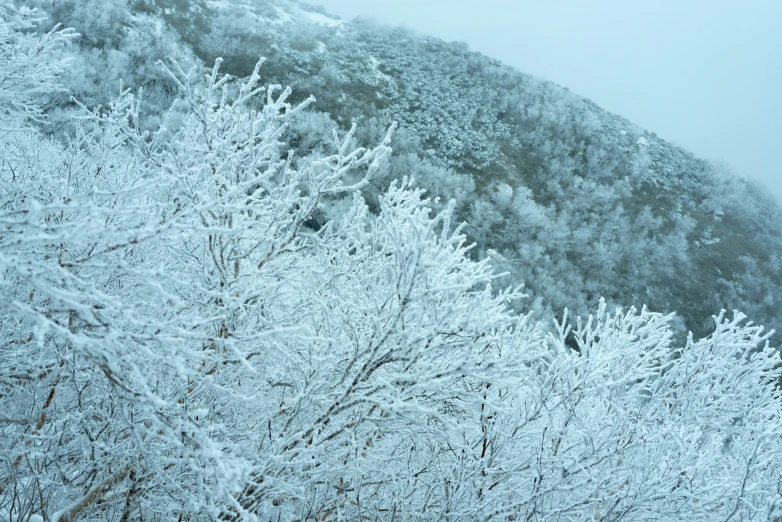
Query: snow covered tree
29, 65
180, 338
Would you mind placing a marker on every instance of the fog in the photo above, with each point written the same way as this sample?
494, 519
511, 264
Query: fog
704, 75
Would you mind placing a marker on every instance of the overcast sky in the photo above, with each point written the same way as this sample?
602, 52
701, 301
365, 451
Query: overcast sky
704, 74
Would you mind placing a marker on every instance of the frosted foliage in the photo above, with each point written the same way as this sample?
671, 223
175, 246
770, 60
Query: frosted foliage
178, 341
468, 124
503, 195
28, 65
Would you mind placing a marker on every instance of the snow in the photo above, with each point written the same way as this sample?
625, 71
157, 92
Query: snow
642, 142
14, 518
503, 195
321, 19
374, 63
284, 16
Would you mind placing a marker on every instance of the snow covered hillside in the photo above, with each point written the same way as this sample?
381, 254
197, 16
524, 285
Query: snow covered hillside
375, 277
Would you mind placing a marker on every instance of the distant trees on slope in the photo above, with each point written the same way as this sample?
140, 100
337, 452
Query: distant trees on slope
598, 207
185, 334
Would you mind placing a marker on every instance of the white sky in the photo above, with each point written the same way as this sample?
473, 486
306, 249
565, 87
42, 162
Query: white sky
704, 74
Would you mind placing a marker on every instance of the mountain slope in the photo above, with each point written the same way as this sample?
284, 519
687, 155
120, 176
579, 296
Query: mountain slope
203, 319
572, 201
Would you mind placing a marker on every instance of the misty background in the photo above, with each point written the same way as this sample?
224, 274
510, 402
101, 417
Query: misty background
704, 75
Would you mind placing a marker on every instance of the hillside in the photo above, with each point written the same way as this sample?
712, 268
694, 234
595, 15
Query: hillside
408, 300
572, 201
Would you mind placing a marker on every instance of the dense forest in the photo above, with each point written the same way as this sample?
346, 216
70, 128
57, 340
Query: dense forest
260, 263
